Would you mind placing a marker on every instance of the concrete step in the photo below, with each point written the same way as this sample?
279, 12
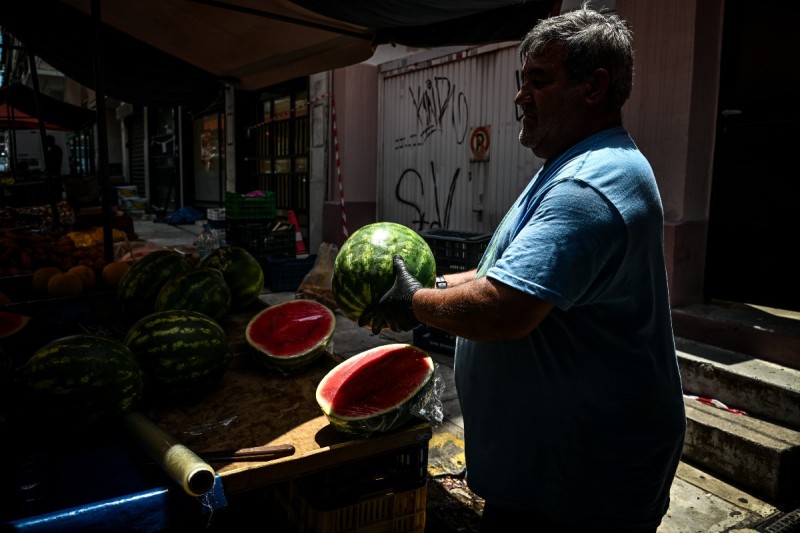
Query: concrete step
762, 332
758, 450
759, 456
762, 389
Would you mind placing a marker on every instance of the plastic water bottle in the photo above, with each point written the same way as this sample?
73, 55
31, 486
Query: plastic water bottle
206, 242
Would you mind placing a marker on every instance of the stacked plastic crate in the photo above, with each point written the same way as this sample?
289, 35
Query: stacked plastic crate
454, 251
252, 224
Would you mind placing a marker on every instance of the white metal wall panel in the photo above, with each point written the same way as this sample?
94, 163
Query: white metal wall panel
429, 112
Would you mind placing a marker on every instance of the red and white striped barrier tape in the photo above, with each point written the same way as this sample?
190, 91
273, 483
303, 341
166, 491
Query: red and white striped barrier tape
714, 403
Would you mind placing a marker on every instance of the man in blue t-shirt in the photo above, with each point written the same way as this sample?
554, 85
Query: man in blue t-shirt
565, 360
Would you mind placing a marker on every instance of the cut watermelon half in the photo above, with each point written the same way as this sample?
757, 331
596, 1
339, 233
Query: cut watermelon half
377, 390
290, 336
11, 323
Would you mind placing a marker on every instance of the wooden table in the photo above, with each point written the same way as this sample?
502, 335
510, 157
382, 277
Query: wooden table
253, 407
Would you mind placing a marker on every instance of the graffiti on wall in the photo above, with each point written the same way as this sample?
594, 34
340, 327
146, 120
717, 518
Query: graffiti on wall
441, 217
437, 106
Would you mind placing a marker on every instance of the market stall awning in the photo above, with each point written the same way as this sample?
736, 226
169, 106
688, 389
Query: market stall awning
19, 110
184, 51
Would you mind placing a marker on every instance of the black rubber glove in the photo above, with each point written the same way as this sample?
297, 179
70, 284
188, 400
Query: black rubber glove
394, 310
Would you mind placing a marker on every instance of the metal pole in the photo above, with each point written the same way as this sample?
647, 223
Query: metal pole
51, 189
102, 134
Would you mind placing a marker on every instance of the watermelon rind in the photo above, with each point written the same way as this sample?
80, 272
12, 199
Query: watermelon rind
289, 337
203, 290
181, 353
141, 284
363, 270
242, 273
399, 375
11, 323
80, 381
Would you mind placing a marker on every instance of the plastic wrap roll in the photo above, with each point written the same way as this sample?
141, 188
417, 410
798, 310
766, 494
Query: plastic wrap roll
179, 462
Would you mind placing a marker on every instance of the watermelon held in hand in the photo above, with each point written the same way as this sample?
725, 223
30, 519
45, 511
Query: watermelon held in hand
181, 353
242, 273
203, 290
377, 390
140, 285
79, 381
288, 337
363, 271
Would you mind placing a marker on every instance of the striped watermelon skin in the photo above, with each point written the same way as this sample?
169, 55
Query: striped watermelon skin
80, 381
180, 352
290, 336
242, 273
377, 390
203, 290
363, 271
141, 284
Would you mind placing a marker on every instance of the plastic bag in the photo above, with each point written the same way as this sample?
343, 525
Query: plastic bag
316, 285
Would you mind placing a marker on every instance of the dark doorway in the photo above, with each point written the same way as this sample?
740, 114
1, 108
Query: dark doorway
753, 221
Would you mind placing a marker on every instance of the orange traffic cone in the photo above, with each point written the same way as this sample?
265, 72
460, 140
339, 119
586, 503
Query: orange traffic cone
299, 245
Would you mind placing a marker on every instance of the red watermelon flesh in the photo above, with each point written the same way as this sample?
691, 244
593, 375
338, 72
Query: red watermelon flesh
376, 390
11, 323
289, 336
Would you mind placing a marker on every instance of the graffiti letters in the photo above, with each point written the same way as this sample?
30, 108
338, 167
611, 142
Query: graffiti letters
437, 106
416, 179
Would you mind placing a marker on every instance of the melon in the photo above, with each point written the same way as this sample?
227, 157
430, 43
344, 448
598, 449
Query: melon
288, 337
363, 270
140, 285
242, 273
11, 323
79, 381
377, 390
203, 290
180, 352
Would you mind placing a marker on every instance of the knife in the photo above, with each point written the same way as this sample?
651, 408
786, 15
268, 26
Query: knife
256, 453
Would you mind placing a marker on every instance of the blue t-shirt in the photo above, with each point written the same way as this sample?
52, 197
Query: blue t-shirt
584, 418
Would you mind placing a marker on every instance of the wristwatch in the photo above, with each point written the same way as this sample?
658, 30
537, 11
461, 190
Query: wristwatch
440, 282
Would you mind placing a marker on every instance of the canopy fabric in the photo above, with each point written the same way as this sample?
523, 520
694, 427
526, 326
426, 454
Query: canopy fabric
18, 110
185, 51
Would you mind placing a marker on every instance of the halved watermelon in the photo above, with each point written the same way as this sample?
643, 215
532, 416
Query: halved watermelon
11, 323
377, 390
290, 336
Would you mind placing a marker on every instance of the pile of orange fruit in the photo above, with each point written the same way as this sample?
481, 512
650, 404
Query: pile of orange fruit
54, 282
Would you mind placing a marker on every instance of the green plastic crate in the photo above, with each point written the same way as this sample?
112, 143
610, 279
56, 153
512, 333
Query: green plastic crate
238, 207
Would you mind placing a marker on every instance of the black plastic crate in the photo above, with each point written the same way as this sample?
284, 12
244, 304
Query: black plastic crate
456, 251
429, 338
261, 240
399, 470
286, 273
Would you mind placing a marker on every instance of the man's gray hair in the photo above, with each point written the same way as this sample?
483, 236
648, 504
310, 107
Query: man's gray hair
592, 40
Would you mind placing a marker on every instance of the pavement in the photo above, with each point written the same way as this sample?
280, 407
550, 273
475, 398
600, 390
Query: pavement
700, 503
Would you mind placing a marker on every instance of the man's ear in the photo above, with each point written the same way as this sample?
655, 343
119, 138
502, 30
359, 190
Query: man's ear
598, 86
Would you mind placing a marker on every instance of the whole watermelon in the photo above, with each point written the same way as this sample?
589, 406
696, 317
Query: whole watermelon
378, 389
141, 284
203, 290
181, 353
79, 381
242, 273
363, 271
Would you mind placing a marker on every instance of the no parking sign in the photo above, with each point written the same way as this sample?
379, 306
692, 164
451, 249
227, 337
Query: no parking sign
479, 143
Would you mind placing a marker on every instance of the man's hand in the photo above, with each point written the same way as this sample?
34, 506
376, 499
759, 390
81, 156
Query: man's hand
394, 309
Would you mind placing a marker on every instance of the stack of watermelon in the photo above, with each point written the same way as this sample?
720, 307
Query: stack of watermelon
176, 347
226, 280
